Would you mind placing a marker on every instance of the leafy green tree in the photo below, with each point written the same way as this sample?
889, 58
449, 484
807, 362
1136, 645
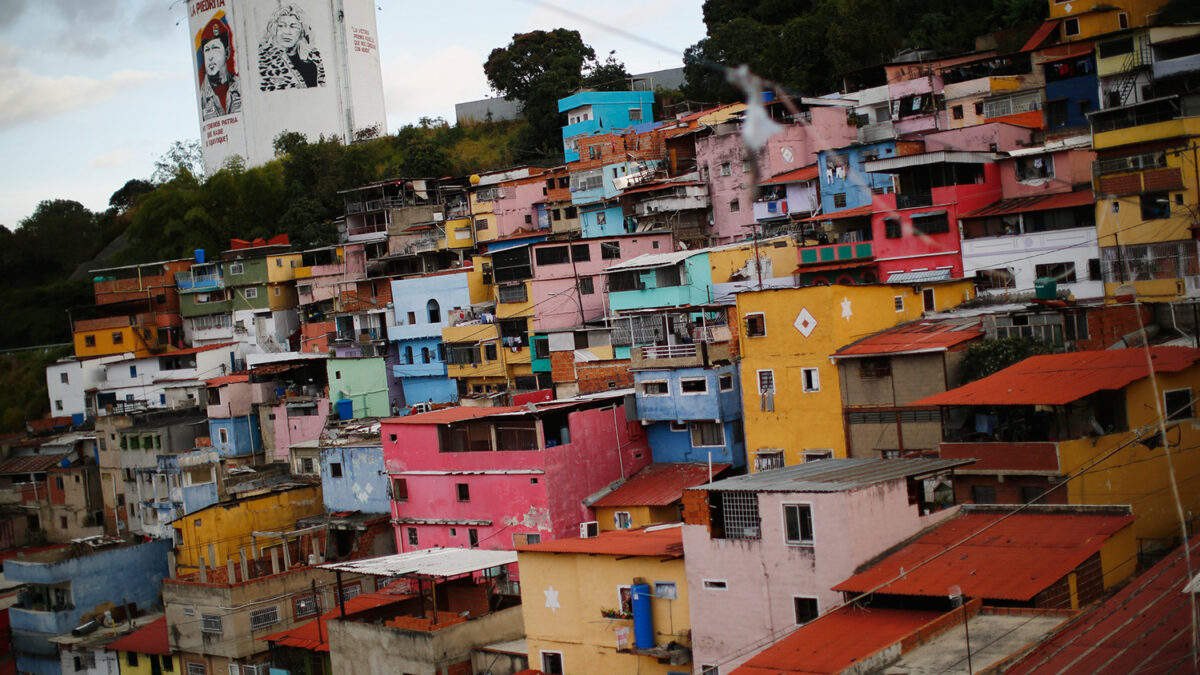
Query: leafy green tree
183, 157
608, 76
991, 356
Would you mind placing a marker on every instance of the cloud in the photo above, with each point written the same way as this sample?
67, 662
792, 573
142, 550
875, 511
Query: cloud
429, 84
111, 160
25, 96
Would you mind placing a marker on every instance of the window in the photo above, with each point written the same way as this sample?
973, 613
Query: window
957, 111
715, 585
725, 169
222, 434
581, 252
1178, 404
610, 250
602, 217
891, 228
817, 455
473, 537
1032, 494
251, 293
936, 223
261, 618
512, 293
806, 609
656, 388
412, 536
998, 278
210, 623
552, 255
766, 381
586, 286
693, 386
552, 663
196, 668
734, 206
735, 513
58, 404
570, 212
464, 492
399, 489
1156, 205
756, 325
875, 368
1071, 27
898, 303
118, 338
839, 200
812, 379
622, 520
710, 434
979, 107
1061, 272
635, 114
528, 219
62, 377
1036, 168
520, 539
725, 382
434, 310
489, 352
481, 224
665, 590
89, 340
983, 494
797, 524
768, 459
305, 605
335, 469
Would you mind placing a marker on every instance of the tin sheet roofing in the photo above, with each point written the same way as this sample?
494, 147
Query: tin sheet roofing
1062, 200
924, 276
835, 475
1014, 558
228, 379
197, 350
1058, 379
658, 485
915, 337
32, 463
838, 215
314, 635
1144, 628
429, 562
793, 176
662, 541
836, 641
149, 639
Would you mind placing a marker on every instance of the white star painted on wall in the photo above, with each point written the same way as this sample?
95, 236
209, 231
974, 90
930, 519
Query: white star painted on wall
805, 322
846, 313
552, 599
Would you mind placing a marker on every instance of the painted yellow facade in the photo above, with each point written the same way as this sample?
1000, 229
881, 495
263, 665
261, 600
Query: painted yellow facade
639, 516
583, 586
281, 295
141, 341
459, 234
142, 664
225, 527
726, 260
1093, 18
801, 410
283, 267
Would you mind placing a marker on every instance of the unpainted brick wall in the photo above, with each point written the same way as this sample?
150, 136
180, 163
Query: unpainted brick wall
695, 508
594, 376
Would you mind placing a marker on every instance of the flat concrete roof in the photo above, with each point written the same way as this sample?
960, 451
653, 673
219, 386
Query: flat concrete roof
994, 637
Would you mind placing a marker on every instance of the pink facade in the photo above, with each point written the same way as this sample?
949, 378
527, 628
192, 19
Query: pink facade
234, 398
1070, 168
553, 286
297, 424
515, 209
761, 577
993, 137
494, 498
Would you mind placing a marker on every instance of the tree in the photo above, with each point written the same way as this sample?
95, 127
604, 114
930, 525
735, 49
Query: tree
608, 76
182, 157
991, 356
123, 199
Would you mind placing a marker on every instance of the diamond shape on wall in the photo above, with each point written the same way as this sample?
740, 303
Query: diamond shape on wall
806, 323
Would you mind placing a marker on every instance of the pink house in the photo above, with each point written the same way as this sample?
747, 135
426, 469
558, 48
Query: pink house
514, 205
505, 476
559, 267
765, 550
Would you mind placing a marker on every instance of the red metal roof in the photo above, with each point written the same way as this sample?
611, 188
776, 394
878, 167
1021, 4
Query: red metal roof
1040, 35
456, 414
197, 350
913, 338
837, 215
228, 379
837, 641
1144, 628
32, 463
793, 176
314, 635
1058, 379
660, 542
1062, 200
149, 639
1014, 559
658, 485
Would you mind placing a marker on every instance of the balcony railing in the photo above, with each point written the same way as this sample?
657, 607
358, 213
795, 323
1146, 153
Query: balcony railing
696, 354
912, 200
187, 281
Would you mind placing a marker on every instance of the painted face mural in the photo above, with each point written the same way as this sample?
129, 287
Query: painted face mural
287, 58
220, 92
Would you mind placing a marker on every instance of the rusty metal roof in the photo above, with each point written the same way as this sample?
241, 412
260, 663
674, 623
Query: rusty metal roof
1062, 200
662, 541
794, 176
314, 635
1058, 379
916, 337
1011, 558
835, 475
658, 485
33, 463
149, 639
228, 379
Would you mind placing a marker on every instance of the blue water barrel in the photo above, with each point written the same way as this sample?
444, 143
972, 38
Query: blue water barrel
200, 255
345, 409
643, 620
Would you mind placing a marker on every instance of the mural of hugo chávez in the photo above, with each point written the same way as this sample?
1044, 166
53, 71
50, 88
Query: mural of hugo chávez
220, 94
286, 56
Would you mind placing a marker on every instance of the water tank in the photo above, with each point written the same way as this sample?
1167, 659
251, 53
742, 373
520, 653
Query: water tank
345, 409
1045, 288
643, 621
199, 255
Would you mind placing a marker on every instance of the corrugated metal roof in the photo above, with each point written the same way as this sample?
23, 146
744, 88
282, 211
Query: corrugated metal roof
836, 641
834, 475
1015, 558
924, 276
1056, 145
32, 463
1040, 35
1144, 628
149, 639
1058, 379
666, 542
793, 176
1062, 200
651, 260
196, 350
228, 379
915, 337
855, 212
927, 158
658, 485
429, 562
314, 636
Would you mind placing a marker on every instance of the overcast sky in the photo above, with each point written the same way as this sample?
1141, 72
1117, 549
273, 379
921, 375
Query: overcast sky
92, 91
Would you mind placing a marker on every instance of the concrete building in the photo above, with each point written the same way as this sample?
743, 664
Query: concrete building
354, 478
652, 496
590, 112
422, 307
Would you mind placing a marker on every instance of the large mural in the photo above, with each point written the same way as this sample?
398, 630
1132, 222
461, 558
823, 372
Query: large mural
287, 57
220, 91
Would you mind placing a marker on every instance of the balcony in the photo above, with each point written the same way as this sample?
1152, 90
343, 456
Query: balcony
697, 354
836, 253
913, 200
187, 281
874, 133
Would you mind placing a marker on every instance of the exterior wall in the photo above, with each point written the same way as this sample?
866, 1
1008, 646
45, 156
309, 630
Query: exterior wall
812, 420
762, 576
512, 211
606, 110
854, 183
234, 398
912, 377
363, 483
226, 527
413, 295
66, 382
585, 585
695, 288
712, 152
668, 444
1097, 18
292, 429
1022, 254
713, 404
1079, 95
600, 221
364, 381
235, 436
639, 516
118, 338
166, 664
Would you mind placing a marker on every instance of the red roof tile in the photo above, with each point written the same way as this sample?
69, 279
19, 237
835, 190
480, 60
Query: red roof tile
837, 215
793, 176
658, 485
314, 635
228, 379
149, 639
1062, 200
1144, 628
1015, 558
1058, 379
32, 463
837, 640
913, 338
658, 542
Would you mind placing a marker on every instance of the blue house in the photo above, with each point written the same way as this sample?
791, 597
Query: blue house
844, 184
673, 279
1072, 91
692, 414
421, 309
235, 436
64, 584
589, 112
353, 478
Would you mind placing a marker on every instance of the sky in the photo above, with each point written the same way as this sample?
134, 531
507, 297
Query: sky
93, 91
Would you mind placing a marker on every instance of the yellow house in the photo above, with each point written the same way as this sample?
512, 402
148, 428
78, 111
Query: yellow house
131, 334
651, 496
218, 532
146, 651
587, 601
1082, 428
283, 267
791, 398
1091, 18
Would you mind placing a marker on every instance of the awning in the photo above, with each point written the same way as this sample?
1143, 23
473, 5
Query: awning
843, 265
918, 277
794, 176
926, 158
1062, 200
856, 212
430, 562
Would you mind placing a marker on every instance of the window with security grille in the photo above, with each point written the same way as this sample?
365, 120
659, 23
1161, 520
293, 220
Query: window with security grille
739, 515
512, 293
261, 618
210, 623
875, 367
305, 605
768, 459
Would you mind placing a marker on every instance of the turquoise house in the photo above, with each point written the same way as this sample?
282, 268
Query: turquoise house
363, 382
589, 112
676, 279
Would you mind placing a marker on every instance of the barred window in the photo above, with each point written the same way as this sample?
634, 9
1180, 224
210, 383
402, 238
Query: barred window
768, 459
736, 514
210, 623
512, 293
1146, 262
261, 618
305, 605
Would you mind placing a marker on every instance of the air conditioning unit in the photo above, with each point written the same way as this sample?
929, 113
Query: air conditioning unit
589, 529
